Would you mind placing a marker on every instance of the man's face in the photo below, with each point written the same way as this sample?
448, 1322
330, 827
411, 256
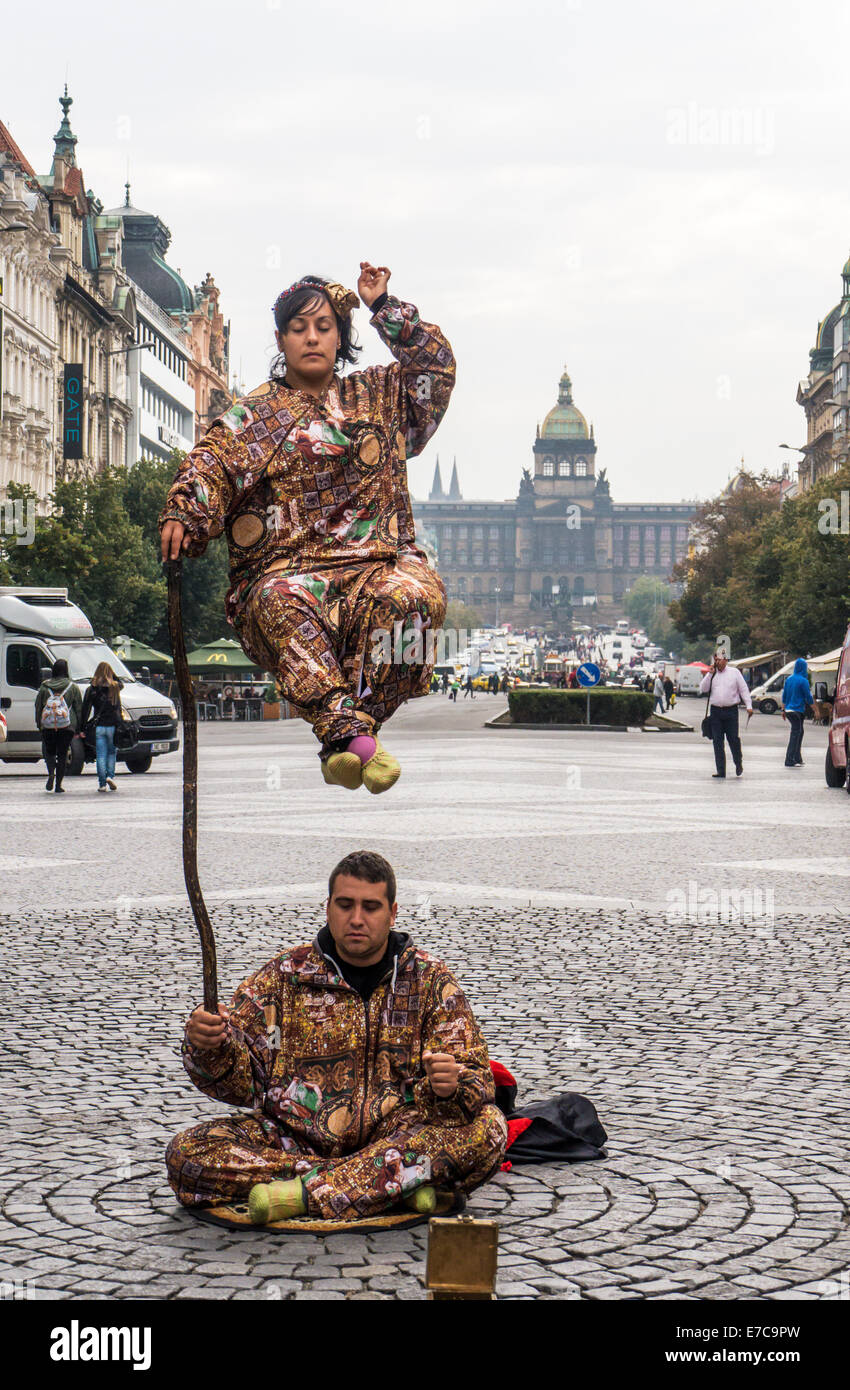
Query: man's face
720, 661
360, 919
311, 340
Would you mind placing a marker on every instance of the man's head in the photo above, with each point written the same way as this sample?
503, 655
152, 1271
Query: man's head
361, 907
720, 660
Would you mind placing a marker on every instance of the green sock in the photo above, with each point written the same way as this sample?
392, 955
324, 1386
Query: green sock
275, 1201
424, 1199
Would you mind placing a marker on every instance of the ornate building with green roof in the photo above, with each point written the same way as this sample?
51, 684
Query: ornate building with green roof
825, 394
561, 542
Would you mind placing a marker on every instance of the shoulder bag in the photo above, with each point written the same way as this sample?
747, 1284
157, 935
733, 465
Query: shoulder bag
706, 723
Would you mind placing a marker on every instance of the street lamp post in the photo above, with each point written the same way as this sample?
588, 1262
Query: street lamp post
498, 592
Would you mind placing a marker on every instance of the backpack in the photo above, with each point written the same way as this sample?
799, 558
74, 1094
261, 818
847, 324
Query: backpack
55, 714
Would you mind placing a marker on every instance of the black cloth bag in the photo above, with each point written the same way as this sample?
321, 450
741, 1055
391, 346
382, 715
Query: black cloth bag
563, 1129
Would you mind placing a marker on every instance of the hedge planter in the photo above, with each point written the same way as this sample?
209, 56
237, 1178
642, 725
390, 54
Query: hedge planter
612, 707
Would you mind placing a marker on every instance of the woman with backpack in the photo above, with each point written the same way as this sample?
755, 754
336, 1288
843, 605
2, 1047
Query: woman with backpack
58, 714
103, 706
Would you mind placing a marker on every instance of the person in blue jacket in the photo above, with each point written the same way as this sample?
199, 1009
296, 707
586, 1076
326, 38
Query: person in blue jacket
796, 697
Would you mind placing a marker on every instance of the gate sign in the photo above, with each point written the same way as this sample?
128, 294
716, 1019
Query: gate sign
72, 430
589, 673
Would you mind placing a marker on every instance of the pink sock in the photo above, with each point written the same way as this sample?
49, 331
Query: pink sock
364, 746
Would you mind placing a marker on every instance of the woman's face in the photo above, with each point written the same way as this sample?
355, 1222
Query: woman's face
311, 340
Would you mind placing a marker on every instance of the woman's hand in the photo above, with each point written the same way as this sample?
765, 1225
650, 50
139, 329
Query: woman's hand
174, 539
373, 282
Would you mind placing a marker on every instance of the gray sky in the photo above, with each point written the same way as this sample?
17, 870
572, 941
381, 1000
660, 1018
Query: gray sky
653, 193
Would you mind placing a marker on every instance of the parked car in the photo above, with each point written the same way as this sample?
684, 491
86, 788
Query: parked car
838, 746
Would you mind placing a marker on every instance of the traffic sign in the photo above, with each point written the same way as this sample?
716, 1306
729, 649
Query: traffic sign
589, 673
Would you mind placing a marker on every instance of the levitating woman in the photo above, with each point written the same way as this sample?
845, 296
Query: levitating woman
306, 476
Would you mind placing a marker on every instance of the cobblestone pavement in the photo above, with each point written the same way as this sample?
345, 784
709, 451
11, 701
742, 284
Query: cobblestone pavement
714, 1050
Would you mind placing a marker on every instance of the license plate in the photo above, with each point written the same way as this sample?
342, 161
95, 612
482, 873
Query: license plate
159, 747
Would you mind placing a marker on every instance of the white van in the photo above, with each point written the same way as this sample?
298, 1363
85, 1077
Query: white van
689, 680
37, 627
768, 697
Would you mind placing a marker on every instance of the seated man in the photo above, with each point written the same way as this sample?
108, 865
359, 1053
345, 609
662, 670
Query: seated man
364, 1069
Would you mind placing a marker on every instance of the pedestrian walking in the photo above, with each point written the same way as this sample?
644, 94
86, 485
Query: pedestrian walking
796, 700
102, 706
445, 682
726, 690
455, 687
59, 716
467, 689
658, 692
669, 691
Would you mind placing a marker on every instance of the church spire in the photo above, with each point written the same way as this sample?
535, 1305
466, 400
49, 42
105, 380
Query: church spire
436, 494
65, 141
454, 486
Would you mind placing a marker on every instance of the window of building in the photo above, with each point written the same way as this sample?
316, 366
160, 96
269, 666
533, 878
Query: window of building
494, 557
478, 532
563, 468
548, 468
461, 530
494, 533
581, 468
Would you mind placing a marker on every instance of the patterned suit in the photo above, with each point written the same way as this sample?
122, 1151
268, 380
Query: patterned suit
312, 495
338, 1089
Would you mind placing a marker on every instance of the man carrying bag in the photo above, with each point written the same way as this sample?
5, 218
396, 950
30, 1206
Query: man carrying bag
726, 689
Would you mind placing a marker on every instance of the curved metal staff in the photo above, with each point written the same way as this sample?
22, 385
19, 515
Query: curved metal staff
174, 571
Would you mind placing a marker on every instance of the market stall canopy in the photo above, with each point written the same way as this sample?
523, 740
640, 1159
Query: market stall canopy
224, 655
761, 659
139, 653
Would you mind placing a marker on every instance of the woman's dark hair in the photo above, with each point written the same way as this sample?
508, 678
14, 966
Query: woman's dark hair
60, 668
295, 304
365, 864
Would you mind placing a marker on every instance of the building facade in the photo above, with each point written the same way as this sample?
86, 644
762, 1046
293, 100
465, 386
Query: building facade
825, 394
96, 312
91, 289
562, 543
160, 365
28, 326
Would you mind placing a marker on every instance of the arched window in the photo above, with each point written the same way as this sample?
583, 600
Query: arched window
578, 587
581, 468
563, 468
548, 468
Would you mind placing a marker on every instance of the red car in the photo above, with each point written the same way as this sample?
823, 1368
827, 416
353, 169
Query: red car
838, 747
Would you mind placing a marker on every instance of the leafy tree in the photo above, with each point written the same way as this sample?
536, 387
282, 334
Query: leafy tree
101, 542
460, 617
89, 545
722, 592
205, 579
643, 601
